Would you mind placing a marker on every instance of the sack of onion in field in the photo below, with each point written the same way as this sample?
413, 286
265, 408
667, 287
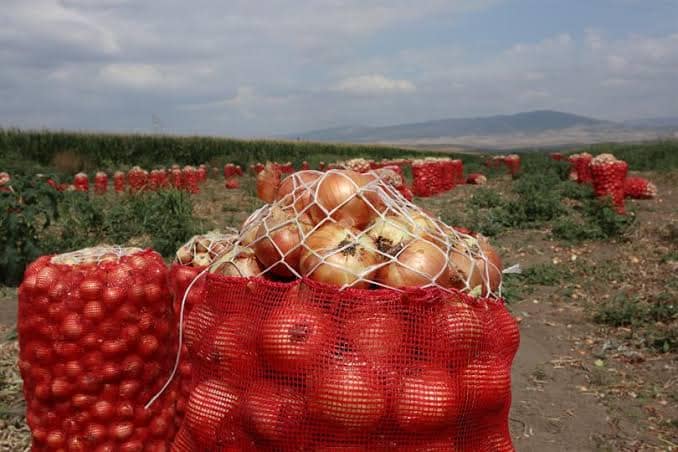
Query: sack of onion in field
608, 175
581, 167
345, 317
424, 178
100, 182
4, 181
190, 179
191, 259
97, 338
137, 179
81, 182
639, 188
512, 162
119, 181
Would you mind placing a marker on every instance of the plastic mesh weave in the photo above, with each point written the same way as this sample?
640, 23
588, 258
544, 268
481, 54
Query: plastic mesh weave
96, 337
608, 179
306, 366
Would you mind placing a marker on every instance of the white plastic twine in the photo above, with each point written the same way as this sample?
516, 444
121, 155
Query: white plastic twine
181, 340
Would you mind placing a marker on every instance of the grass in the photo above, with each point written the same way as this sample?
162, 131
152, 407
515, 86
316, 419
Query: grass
71, 151
652, 319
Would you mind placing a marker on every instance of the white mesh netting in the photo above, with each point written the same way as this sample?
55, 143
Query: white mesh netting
356, 230
201, 250
95, 255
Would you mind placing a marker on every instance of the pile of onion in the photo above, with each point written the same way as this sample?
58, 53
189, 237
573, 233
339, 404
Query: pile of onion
202, 250
350, 229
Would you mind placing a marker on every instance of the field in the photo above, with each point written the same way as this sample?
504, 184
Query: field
596, 300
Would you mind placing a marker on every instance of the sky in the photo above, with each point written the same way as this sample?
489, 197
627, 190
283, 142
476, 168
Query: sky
272, 67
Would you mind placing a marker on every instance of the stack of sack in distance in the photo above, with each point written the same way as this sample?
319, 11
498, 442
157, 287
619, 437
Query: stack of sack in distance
433, 176
345, 318
609, 177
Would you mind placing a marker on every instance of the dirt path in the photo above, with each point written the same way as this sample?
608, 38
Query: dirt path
550, 412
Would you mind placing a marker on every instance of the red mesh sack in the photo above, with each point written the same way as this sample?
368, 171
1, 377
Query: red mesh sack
119, 182
137, 179
608, 179
189, 180
424, 179
100, 183
81, 182
306, 366
557, 156
176, 179
191, 259
202, 173
345, 317
581, 167
238, 170
97, 338
639, 188
229, 170
305, 166
512, 163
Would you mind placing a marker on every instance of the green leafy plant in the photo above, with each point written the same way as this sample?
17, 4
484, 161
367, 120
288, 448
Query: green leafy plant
28, 207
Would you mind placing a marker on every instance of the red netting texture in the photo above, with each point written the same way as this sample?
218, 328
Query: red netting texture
97, 339
608, 179
307, 366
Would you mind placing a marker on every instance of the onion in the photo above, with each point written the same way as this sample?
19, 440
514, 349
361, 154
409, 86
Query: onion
349, 396
458, 332
390, 233
464, 272
336, 255
294, 337
56, 439
339, 195
273, 412
239, 261
428, 400
230, 346
71, 327
103, 410
420, 263
279, 240
298, 189
486, 385
490, 267
201, 319
209, 410
376, 335
268, 181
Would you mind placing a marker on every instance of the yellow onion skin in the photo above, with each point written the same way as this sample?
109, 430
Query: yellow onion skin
338, 268
464, 271
301, 184
240, 261
286, 232
426, 258
339, 190
491, 267
390, 233
268, 181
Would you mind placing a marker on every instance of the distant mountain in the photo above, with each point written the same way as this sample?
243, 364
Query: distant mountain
670, 122
528, 123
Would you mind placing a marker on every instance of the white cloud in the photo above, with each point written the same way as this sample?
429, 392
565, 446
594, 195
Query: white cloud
374, 84
277, 66
136, 75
